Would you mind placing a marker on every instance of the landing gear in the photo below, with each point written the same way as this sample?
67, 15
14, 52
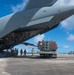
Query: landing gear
48, 55
42, 55
53, 55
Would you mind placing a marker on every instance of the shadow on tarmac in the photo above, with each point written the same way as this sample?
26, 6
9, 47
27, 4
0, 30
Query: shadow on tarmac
27, 56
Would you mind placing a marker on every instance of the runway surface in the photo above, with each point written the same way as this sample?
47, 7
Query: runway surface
63, 65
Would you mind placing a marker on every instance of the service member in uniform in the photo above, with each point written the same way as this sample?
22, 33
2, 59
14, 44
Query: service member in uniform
32, 51
21, 52
25, 52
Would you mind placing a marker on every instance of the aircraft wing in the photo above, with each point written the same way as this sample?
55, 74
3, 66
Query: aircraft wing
39, 3
15, 21
10, 23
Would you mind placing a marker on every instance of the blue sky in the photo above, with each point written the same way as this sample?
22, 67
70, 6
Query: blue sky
63, 34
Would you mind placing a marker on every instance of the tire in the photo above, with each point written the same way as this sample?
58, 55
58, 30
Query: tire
42, 55
50, 55
54, 55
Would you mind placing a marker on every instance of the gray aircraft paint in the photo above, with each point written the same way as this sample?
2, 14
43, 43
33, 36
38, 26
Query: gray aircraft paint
4, 21
22, 18
46, 14
35, 14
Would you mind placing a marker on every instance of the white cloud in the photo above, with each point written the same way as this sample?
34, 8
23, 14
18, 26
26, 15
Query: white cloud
68, 33
67, 24
19, 7
66, 47
65, 2
39, 38
70, 37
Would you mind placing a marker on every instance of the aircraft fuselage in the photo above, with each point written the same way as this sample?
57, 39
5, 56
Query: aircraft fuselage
18, 27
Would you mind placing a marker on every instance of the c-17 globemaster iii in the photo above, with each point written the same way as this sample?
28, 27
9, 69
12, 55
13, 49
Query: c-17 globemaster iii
37, 17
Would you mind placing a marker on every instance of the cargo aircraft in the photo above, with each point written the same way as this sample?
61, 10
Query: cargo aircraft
37, 17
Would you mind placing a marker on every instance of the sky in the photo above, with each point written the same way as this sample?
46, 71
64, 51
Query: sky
63, 34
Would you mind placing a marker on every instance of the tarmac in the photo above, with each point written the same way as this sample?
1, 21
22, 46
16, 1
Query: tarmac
63, 65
